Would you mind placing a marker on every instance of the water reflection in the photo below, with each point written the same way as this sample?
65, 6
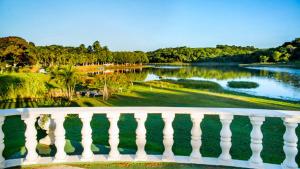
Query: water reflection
277, 69
272, 82
283, 83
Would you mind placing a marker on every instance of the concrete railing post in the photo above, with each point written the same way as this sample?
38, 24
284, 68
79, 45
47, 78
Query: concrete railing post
113, 136
196, 136
30, 138
86, 136
168, 132
2, 118
290, 143
141, 154
225, 143
256, 141
59, 133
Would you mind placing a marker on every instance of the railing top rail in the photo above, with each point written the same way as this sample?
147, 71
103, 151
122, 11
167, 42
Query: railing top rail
153, 110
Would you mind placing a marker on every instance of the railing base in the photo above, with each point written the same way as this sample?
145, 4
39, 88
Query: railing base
131, 158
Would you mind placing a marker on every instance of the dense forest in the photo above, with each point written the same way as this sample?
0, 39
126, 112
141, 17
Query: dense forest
219, 53
224, 53
16, 51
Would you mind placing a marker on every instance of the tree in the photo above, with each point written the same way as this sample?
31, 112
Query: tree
285, 57
67, 77
276, 56
30, 57
82, 48
90, 49
19, 52
13, 50
97, 46
263, 59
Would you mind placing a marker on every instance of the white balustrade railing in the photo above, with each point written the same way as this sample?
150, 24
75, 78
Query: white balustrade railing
291, 120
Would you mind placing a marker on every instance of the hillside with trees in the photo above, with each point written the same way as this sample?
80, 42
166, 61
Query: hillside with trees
16, 51
221, 53
289, 51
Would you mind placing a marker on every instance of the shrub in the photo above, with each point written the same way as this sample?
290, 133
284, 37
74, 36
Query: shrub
21, 85
263, 59
242, 84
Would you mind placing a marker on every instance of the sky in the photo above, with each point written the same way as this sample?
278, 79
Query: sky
151, 24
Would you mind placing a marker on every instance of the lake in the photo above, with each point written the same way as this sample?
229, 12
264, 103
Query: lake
274, 82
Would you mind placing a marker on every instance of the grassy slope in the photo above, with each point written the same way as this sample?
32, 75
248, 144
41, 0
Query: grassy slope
145, 96
141, 95
136, 165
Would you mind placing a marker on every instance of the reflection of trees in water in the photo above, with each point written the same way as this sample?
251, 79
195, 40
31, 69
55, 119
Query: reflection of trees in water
291, 79
219, 73
226, 72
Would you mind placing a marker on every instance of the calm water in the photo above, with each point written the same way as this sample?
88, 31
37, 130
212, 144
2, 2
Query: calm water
282, 83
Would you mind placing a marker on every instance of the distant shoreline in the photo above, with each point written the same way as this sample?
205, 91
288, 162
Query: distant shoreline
289, 64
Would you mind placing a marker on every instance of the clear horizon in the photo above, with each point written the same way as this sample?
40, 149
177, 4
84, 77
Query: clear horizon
149, 25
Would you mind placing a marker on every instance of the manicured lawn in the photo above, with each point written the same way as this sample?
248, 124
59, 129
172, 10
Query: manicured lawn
128, 165
144, 95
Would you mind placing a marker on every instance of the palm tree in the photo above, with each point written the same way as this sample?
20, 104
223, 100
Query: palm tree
67, 77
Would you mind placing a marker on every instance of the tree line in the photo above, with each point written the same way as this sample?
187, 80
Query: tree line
17, 51
185, 54
289, 51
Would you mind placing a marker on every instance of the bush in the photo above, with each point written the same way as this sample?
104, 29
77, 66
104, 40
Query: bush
263, 59
21, 85
242, 84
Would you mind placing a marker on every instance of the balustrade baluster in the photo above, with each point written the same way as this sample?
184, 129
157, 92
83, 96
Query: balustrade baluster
225, 143
141, 155
256, 141
113, 136
290, 143
59, 133
2, 165
257, 117
168, 132
86, 135
196, 136
30, 137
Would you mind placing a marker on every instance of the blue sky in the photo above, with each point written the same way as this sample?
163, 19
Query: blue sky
151, 24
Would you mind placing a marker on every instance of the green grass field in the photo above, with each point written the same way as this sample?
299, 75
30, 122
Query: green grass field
136, 165
163, 94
